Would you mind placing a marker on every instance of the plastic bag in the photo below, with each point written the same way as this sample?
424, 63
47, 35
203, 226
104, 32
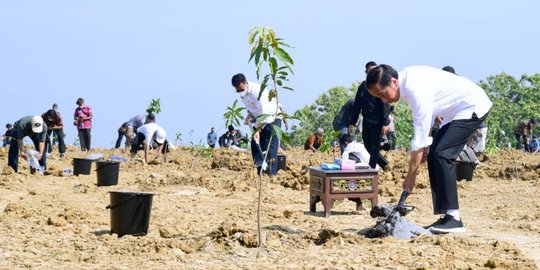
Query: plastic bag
32, 159
330, 166
118, 158
96, 156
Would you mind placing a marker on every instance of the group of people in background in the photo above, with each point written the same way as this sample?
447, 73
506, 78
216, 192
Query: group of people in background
525, 137
141, 132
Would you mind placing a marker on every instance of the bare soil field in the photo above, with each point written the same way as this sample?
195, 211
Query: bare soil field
204, 217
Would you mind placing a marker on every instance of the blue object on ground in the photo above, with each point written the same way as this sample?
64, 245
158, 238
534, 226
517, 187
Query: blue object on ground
330, 166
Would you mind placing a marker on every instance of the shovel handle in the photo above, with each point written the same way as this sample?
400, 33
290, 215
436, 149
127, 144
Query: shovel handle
402, 198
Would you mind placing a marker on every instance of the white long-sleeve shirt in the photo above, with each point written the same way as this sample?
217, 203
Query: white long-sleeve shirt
262, 106
433, 92
358, 150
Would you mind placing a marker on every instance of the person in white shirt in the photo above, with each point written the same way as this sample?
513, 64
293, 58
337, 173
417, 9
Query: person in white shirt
148, 135
249, 93
463, 107
354, 151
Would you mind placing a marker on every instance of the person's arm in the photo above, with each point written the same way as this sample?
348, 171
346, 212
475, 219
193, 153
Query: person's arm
358, 104
414, 164
311, 142
21, 148
41, 150
59, 122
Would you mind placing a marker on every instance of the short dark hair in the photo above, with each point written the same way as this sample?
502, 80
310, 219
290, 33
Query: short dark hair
346, 138
9, 125
230, 127
381, 74
238, 79
449, 69
370, 64
79, 101
150, 118
533, 121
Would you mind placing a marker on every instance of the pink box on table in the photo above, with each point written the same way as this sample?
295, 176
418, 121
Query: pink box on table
347, 164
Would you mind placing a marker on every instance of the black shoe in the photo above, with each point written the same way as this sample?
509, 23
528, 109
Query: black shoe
447, 224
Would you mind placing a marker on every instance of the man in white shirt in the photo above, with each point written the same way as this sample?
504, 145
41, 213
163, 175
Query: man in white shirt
463, 107
148, 134
249, 93
354, 150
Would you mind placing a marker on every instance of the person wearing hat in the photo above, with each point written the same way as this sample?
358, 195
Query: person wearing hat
462, 105
53, 119
315, 140
83, 120
36, 129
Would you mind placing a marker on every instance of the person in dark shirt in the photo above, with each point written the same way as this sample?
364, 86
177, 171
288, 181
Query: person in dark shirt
36, 129
342, 121
375, 120
122, 131
7, 135
53, 119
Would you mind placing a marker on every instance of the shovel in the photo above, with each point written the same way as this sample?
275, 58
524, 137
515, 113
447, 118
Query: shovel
264, 165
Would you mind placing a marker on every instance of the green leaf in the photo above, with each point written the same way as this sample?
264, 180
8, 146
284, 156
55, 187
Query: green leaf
262, 117
281, 135
272, 94
252, 34
273, 65
283, 56
288, 88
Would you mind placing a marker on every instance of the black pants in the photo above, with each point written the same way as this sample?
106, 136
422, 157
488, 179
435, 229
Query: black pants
521, 138
85, 138
371, 134
446, 146
267, 137
119, 139
61, 144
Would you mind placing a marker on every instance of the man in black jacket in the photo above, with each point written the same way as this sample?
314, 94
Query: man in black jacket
375, 120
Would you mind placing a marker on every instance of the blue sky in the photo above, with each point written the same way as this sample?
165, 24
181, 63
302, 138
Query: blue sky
119, 55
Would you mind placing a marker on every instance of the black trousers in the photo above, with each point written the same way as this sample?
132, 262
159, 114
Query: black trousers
61, 144
85, 138
446, 146
371, 134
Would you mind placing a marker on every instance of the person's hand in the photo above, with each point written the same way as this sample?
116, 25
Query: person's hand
256, 137
425, 154
40, 155
24, 156
408, 185
385, 129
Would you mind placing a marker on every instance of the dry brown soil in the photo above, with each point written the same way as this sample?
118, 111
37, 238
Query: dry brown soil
204, 217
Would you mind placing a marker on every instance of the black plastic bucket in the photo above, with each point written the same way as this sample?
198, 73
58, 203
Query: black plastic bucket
82, 166
130, 212
107, 173
282, 162
464, 170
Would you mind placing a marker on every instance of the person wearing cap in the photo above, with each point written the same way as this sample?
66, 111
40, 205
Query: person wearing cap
150, 135
83, 120
258, 103
36, 129
315, 140
53, 119
7, 136
462, 105
375, 120
524, 132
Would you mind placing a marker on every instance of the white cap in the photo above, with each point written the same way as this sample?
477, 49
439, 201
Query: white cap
37, 124
160, 135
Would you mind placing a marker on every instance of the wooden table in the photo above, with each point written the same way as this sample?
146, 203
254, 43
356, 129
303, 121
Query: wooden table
328, 185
